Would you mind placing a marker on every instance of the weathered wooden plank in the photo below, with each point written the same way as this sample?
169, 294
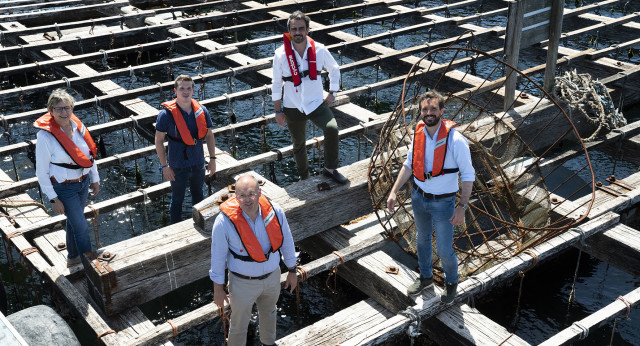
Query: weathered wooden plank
341, 325
484, 281
299, 199
468, 326
141, 268
619, 246
362, 245
595, 320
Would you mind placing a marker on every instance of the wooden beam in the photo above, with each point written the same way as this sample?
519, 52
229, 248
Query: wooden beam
595, 320
619, 246
484, 281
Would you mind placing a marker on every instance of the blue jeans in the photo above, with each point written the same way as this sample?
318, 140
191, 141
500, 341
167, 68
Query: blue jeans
430, 214
74, 197
193, 175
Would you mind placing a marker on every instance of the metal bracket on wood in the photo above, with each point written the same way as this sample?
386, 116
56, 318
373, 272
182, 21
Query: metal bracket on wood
622, 184
607, 189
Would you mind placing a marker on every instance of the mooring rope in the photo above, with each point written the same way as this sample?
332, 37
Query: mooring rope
334, 272
303, 277
591, 99
224, 317
584, 331
415, 321
615, 320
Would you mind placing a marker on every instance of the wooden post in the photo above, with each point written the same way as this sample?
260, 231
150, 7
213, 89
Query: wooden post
512, 48
555, 30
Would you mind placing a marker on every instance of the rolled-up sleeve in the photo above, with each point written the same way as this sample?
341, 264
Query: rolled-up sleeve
462, 156
333, 68
219, 250
288, 250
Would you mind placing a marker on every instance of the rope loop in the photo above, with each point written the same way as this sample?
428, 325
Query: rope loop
627, 303
26, 252
483, 284
534, 255
110, 331
173, 326
303, 273
584, 331
415, 321
583, 236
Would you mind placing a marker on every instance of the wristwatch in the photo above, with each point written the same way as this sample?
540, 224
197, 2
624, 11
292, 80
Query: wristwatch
334, 93
464, 206
292, 270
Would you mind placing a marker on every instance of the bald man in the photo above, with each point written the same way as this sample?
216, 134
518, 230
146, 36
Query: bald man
250, 235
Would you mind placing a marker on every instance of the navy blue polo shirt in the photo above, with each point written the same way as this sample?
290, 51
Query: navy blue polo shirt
194, 153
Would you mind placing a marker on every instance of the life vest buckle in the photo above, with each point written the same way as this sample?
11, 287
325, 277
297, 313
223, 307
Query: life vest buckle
427, 176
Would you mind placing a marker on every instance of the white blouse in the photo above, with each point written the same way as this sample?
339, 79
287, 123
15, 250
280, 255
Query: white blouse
49, 150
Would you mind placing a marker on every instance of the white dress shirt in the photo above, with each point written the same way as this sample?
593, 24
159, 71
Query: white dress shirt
49, 150
309, 95
224, 237
458, 155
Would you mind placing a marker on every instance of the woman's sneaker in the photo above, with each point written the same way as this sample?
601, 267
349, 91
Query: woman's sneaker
419, 285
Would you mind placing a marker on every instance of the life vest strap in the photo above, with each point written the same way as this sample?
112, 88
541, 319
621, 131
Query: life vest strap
428, 176
248, 258
70, 165
303, 74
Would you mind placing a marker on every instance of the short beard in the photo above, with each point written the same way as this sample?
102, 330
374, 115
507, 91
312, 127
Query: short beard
429, 123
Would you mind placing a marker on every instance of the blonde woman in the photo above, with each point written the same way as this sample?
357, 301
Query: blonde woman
65, 167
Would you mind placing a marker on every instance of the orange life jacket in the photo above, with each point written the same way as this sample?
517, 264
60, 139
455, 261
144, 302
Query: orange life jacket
293, 64
185, 134
49, 124
231, 208
439, 154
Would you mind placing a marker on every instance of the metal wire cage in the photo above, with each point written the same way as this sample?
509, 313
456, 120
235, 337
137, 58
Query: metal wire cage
524, 193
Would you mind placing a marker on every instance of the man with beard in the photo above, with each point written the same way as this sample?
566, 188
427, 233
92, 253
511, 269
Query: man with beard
296, 66
437, 153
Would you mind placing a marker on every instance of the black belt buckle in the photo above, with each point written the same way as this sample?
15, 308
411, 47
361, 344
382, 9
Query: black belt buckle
427, 176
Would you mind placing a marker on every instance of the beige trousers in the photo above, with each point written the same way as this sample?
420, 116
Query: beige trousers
243, 294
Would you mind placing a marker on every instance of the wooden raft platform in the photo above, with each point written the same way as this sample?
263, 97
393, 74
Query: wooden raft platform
158, 262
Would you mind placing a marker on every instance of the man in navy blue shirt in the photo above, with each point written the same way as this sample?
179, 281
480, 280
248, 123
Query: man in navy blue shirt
188, 126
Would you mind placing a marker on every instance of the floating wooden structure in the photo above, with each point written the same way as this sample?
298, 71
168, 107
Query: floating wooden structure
89, 46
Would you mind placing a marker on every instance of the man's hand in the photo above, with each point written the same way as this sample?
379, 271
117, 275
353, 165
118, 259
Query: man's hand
167, 172
292, 281
329, 99
220, 296
458, 216
95, 189
57, 207
281, 119
211, 166
391, 202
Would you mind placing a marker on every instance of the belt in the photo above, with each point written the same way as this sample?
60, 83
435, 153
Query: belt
429, 195
251, 277
82, 178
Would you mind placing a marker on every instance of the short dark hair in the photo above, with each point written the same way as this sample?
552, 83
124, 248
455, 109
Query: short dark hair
432, 94
298, 15
183, 78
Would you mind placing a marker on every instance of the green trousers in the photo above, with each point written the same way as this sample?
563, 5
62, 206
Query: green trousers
297, 125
